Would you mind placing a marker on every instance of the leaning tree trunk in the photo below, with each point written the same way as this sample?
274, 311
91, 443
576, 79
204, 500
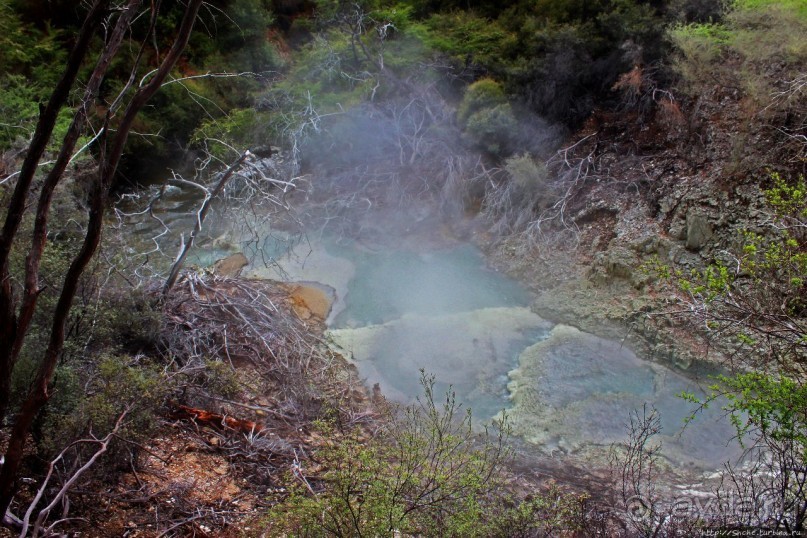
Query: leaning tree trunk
176, 267
39, 393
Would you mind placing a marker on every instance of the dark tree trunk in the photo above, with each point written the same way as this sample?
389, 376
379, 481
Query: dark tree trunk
16, 208
39, 392
40, 234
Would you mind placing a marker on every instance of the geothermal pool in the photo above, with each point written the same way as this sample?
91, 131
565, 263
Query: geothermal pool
443, 310
411, 296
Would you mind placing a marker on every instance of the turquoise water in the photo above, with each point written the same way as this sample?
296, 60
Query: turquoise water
389, 285
574, 389
406, 307
444, 311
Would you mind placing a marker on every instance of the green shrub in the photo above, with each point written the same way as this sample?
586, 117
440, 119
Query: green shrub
425, 476
428, 474
465, 37
522, 196
487, 118
90, 397
240, 129
19, 110
482, 94
757, 48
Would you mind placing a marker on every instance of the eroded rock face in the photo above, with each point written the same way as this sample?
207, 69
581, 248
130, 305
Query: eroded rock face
619, 262
698, 230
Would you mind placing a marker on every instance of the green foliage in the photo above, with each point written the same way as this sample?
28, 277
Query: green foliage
758, 300
213, 377
779, 263
18, 108
91, 398
482, 94
738, 51
20, 98
628, 20
695, 11
493, 129
762, 407
31, 59
710, 283
239, 41
27, 50
427, 475
553, 512
555, 56
15, 43
796, 6
788, 200
552, 55
107, 317
704, 35
241, 128
524, 193
361, 53
487, 118
466, 37
529, 175
236, 42
767, 280
776, 406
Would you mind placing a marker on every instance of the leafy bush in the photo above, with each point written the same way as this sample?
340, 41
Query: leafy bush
89, 399
696, 11
521, 196
19, 110
427, 475
241, 128
769, 412
757, 299
487, 118
466, 37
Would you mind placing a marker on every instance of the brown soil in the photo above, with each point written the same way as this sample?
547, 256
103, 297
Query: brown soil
217, 464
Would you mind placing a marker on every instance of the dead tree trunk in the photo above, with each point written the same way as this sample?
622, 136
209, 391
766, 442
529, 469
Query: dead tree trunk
109, 157
200, 218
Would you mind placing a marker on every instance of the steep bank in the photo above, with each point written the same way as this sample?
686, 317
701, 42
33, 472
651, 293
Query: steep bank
673, 189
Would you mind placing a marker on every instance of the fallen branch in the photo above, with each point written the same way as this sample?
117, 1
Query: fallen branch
200, 218
216, 420
103, 445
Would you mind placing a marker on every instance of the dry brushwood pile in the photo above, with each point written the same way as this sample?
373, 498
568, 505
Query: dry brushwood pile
249, 376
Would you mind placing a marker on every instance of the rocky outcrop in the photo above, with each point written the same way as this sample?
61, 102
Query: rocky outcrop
231, 266
657, 200
698, 230
310, 300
